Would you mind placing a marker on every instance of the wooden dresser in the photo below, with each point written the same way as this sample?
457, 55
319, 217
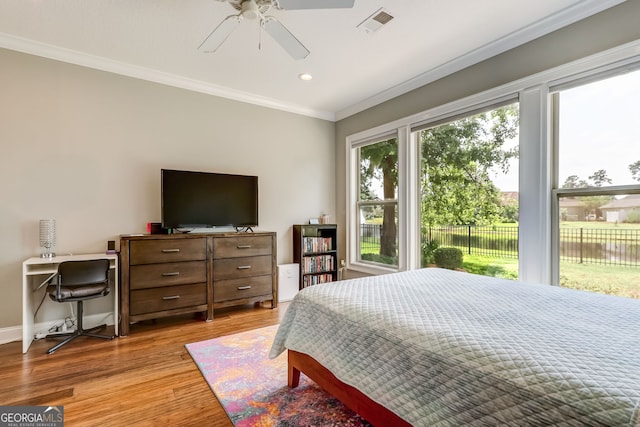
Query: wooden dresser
165, 275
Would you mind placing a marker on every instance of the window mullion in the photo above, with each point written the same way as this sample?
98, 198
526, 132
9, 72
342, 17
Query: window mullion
535, 186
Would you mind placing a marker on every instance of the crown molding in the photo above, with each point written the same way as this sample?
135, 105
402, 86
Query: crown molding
540, 28
57, 53
544, 26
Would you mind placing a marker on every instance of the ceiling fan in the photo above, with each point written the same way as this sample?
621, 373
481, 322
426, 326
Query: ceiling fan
257, 10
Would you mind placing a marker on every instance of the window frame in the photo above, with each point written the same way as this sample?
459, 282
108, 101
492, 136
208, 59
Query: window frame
557, 191
383, 202
353, 260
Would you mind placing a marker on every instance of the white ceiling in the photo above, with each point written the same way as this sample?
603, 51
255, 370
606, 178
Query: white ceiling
352, 70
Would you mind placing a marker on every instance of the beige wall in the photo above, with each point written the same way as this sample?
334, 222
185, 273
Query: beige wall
600, 32
86, 147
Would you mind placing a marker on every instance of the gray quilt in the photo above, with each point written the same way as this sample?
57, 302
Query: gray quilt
444, 348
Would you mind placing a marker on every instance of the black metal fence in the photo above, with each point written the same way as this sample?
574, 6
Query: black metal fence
498, 241
600, 246
370, 237
579, 245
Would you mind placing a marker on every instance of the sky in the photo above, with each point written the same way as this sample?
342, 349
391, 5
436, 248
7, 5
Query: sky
599, 129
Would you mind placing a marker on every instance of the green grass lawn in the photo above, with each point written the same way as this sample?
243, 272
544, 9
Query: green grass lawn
599, 225
506, 268
606, 279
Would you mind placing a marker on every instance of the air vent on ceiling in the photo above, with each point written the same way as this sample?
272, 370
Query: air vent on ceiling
374, 22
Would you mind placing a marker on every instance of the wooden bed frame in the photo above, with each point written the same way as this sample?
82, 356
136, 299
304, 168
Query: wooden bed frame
353, 398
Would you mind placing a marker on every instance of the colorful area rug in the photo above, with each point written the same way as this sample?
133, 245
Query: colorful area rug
253, 388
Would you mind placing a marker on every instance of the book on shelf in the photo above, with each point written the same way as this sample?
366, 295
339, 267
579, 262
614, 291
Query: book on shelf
316, 279
317, 244
318, 263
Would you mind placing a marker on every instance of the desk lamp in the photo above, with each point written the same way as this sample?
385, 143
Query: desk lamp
47, 237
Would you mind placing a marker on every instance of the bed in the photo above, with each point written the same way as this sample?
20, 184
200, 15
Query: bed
435, 347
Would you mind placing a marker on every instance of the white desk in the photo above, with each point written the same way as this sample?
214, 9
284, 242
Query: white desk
44, 268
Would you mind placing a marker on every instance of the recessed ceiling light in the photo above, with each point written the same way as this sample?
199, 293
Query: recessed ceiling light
305, 76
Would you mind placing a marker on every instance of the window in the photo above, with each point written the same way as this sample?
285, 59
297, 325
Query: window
598, 174
377, 204
598, 135
469, 190
575, 152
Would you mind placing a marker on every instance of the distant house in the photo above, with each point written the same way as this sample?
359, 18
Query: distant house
510, 203
619, 210
509, 198
572, 209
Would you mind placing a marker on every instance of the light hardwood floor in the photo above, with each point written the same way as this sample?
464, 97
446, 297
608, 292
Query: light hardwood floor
144, 379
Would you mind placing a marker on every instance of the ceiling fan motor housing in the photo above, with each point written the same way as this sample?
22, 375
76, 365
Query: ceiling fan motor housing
250, 9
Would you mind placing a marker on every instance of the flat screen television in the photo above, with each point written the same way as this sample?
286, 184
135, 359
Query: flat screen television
206, 199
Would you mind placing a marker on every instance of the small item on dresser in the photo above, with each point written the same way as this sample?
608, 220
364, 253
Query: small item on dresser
156, 228
111, 246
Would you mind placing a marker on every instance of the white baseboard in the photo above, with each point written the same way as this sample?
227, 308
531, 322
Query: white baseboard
10, 334
14, 333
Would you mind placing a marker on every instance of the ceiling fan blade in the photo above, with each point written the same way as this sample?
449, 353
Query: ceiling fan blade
220, 34
284, 38
313, 4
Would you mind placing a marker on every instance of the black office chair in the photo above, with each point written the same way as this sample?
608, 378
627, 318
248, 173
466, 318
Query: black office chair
79, 281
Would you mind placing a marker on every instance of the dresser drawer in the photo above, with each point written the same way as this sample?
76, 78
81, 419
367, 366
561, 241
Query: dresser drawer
242, 246
167, 298
228, 290
236, 268
156, 251
167, 274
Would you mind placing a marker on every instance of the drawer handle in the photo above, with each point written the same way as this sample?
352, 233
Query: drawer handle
244, 288
244, 246
171, 297
244, 267
171, 273
168, 251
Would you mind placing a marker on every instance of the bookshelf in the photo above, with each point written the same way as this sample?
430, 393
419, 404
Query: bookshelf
314, 249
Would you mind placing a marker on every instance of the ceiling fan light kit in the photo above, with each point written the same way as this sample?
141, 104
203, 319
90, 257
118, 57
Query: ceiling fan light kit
257, 9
